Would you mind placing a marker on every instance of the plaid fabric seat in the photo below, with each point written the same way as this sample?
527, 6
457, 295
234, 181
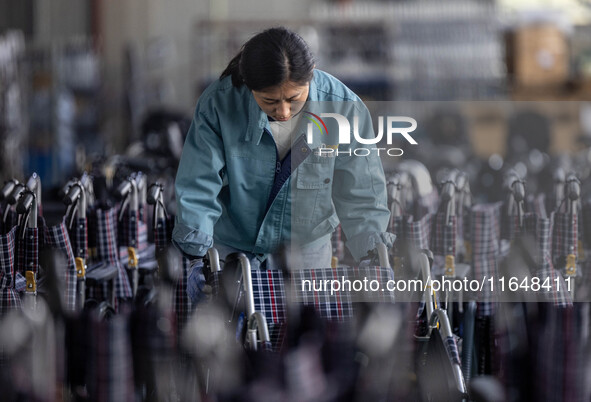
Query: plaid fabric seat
585, 219
9, 298
418, 233
20, 283
270, 300
541, 230
57, 238
270, 294
102, 237
443, 235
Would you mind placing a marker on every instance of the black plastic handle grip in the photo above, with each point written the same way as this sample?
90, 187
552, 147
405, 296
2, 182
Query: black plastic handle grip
25, 202
16, 193
154, 193
7, 189
124, 189
72, 195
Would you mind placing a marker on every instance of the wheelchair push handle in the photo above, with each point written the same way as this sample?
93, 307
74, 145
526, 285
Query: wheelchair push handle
8, 188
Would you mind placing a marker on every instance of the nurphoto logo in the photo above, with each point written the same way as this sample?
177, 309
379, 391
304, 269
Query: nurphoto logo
390, 126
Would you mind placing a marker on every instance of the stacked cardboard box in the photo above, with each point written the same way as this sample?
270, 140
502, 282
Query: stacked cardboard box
538, 55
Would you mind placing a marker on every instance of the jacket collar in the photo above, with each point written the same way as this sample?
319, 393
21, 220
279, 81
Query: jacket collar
257, 121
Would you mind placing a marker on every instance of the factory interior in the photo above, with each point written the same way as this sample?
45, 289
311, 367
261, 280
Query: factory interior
489, 190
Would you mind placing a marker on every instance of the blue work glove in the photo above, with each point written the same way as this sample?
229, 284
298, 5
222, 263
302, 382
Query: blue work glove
197, 290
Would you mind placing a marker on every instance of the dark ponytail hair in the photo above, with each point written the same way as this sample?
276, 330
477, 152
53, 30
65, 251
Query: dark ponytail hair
269, 58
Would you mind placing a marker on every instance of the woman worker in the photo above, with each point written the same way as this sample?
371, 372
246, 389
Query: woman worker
251, 180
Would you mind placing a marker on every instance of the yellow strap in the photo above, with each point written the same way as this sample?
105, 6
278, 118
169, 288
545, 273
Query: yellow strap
468, 247
132, 262
434, 300
334, 262
450, 266
435, 306
80, 267
31, 282
571, 265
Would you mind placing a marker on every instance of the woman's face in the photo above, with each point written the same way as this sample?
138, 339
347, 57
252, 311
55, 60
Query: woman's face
282, 101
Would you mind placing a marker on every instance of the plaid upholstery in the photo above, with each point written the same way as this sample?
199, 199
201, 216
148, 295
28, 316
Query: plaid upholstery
9, 298
182, 304
128, 229
20, 283
510, 228
270, 296
485, 238
443, 235
213, 279
560, 298
28, 251
57, 237
337, 307
452, 349
485, 266
586, 223
105, 235
540, 228
161, 238
269, 299
142, 236
397, 227
418, 232
79, 238
109, 364
132, 232
565, 235
485, 229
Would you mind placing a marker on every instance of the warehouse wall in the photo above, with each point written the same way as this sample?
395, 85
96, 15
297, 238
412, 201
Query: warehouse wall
57, 20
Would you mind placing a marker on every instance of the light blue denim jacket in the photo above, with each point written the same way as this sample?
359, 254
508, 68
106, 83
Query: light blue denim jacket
229, 165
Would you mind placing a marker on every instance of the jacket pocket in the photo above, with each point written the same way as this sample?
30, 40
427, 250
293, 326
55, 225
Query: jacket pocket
315, 174
313, 192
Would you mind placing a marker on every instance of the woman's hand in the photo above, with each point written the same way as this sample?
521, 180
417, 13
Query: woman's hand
197, 289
